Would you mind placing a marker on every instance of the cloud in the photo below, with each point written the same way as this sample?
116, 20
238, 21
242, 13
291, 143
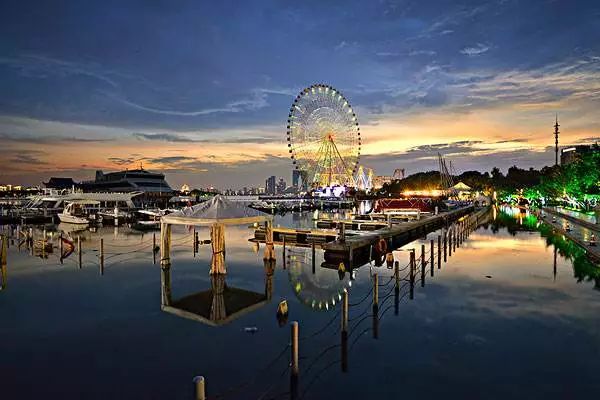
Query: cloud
48, 139
422, 53
176, 138
26, 159
386, 54
476, 50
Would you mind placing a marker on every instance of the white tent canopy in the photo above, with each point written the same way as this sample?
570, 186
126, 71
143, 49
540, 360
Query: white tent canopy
461, 186
217, 210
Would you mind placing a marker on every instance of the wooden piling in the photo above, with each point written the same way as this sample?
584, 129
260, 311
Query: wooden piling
200, 387
60, 244
423, 263
79, 254
375, 292
397, 274
454, 239
101, 256
450, 242
295, 369
154, 248
3, 261
439, 255
345, 312
431, 268
194, 242
412, 273
445, 246
313, 257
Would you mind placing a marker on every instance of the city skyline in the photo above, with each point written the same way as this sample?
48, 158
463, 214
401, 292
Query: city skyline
201, 92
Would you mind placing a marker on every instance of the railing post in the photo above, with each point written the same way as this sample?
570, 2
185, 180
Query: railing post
345, 312
375, 293
79, 254
295, 370
445, 246
412, 273
154, 248
423, 265
101, 256
313, 257
439, 255
397, 274
450, 242
200, 387
431, 266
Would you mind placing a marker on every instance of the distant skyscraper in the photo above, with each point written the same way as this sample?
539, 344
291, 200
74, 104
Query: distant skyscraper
556, 132
281, 186
270, 185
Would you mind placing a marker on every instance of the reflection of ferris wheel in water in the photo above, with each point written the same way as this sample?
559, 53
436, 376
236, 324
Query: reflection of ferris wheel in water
323, 137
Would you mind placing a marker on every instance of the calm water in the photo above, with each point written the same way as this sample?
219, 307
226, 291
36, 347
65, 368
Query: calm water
506, 316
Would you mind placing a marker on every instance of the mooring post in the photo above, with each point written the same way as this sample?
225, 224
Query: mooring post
79, 255
3, 262
101, 256
200, 387
283, 240
423, 265
313, 257
342, 237
295, 370
432, 258
154, 248
345, 311
450, 242
439, 255
60, 245
454, 240
445, 246
397, 274
412, 273
375, 292
194, 242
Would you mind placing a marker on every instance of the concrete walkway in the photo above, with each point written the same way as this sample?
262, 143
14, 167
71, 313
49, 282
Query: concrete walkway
578, 233
579, 218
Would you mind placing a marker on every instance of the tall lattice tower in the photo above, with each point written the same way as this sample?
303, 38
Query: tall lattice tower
556, 132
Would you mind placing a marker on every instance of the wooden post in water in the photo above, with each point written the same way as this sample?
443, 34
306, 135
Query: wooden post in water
154, 248
200, 387
375, 293
165, 263
283, 240
345, 311
60, 245
445, 246
439, 255
397, 274
432, 252
412, 273
79, 255
101, 256
423, 265
194, 242
344, 331
3, 261
295, 369
450, 242
454, 240
313, 257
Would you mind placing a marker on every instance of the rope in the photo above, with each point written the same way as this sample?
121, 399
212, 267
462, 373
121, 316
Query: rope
363, 299
322, 329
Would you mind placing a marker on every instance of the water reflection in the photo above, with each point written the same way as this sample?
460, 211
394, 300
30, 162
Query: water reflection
221, 303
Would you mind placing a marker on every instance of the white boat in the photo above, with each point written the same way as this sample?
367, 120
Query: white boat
75, 212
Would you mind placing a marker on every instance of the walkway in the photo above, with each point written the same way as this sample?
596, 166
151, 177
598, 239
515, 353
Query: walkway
579, 218
578, 233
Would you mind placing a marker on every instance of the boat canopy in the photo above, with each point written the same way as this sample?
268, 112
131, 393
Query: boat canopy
218, 210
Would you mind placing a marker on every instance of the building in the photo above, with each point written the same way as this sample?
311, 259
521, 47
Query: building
281, 185
152, 184
572, 154
296, 177
270, 185
61, 183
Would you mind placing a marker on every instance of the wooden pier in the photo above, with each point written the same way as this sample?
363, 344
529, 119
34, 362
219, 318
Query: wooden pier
360, 249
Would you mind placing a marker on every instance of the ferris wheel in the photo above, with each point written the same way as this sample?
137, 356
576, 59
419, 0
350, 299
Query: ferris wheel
323, 137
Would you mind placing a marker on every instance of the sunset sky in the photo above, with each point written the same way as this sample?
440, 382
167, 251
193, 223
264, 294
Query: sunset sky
201, 90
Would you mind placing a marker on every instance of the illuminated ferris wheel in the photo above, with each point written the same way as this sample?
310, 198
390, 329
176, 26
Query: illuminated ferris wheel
323, 137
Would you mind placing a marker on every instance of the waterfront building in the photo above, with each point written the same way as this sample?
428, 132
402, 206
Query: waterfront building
281, 185
153, 185
270, 185
61, 183
380, 180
